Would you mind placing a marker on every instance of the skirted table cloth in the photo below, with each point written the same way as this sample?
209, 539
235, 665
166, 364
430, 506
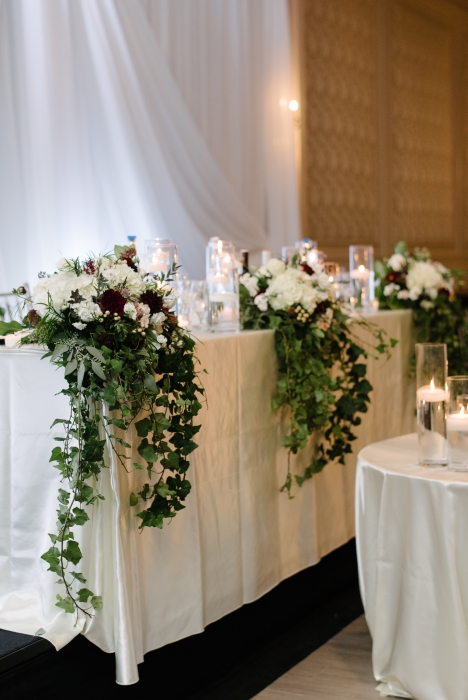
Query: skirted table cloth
238, 536
411, 534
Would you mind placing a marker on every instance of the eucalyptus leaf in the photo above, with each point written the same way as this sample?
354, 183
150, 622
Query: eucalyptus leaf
96, 353
97, 369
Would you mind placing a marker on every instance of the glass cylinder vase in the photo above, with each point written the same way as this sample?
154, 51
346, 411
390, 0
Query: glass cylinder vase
160, 256
223, 286
361, 271
432, 398
457, 423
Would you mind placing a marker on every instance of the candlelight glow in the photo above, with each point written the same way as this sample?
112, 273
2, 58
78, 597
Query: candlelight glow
294, 105
462, 411
432, 385
361, 268
220, 247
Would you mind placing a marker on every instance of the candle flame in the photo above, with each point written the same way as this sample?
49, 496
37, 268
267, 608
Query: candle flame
330, 279
361, 268
462, 411
432, 385
220, 247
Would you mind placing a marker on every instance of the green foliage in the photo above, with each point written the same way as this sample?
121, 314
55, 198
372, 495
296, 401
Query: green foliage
437, 320
110, 386
7, 327
322, 378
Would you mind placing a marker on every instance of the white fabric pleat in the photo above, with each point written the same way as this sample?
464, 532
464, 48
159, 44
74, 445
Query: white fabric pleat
103, 136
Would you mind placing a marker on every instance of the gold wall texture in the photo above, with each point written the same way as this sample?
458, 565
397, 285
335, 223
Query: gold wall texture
383, 124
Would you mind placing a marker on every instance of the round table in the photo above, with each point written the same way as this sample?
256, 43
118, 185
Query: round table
412, 544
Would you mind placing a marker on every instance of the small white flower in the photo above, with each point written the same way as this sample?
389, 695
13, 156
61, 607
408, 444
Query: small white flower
162, 340
397, 262
403, 294
261, 300
80, 326
130, 310
427, 305
414, 293
389, 289
143, 272
158, 319
250, 282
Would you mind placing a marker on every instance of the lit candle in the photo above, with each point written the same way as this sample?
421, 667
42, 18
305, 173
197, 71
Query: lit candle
362, 273
266, 256
458, 421
159, 261
430, 394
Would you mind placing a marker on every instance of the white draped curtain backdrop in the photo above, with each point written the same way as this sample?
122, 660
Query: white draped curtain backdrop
163, 118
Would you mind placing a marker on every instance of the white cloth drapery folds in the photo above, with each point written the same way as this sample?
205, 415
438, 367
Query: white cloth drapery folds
147, 118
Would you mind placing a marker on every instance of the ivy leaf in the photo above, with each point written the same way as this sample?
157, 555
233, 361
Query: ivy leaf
147, 452
60, 420
96, 353
118, 422
80, 516
72, 553
84, 594
78, 576
65, 603
137, 466
97, 369
163, 490
96, 602
143, 427
52, 558
151, 384
116, 365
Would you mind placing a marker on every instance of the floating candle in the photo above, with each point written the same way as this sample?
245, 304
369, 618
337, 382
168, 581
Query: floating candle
431, 394
458, 421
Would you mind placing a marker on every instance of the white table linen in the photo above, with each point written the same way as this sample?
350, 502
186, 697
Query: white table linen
238, 536
411, 533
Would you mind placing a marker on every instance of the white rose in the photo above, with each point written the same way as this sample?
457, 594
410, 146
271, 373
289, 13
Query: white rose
130, 310
104, 263
275, 267
261, 300
80, 326
61, 264
397, 262
158, 318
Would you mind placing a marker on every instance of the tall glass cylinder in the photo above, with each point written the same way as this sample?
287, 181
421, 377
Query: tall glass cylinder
333, 270
432, 398
291, 254
223, 286
361, 271
457, 423
160, 256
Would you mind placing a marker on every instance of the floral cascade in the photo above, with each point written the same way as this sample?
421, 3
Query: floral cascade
320, 377
416, 282
112, 327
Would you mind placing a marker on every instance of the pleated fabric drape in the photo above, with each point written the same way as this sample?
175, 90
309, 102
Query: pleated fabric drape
148, 118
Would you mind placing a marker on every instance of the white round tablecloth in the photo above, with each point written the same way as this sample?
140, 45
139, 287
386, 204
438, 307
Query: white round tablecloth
412, 543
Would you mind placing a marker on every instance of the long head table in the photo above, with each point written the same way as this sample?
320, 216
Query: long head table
238, 536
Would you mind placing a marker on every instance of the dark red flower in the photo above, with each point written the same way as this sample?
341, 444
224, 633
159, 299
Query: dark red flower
112, 301
306, 268
33, 318
444, 292
129, 262
89, 267
153, 300
391, 277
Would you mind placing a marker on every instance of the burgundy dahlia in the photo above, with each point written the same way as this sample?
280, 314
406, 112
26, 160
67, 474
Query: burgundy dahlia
112, 301
154, 301
127, 256
306, 268
391, 277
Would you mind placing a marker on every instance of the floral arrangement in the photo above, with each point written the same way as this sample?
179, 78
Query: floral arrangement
320, 376
112, 327
415, 281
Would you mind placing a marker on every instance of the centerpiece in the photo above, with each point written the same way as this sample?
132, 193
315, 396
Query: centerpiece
111, 326
415, 281
320, 376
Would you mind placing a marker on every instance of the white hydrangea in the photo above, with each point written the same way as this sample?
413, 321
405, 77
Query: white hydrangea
424, 277
275, 267
397, 262
130, 310
121, 275
104, 263
60, 287
250, 282
261, 300
294, 286
87, 310
403, 294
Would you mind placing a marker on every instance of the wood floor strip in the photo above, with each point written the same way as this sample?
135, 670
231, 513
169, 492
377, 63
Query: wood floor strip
340, 670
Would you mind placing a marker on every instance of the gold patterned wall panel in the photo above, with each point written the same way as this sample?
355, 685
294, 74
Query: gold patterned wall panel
384, 92
340, 120
421, 129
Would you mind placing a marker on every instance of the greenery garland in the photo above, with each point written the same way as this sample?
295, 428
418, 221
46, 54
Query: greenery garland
321, 378
428, 289
109, 325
